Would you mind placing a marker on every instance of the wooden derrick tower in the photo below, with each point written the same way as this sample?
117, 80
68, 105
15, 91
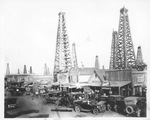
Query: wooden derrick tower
122, 50
140, 65
74, 56
62, 63
45, 69
112, 64
25, 70
97, 62
125, 56
7, 69
31, 70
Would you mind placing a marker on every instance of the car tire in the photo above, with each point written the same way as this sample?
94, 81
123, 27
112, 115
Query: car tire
95, 111
138, 112
129, 110
77, 108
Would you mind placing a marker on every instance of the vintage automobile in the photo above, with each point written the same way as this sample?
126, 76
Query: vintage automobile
10, 102
141, 108
132, 103
51, 97
67, 99
114, 102
89, 105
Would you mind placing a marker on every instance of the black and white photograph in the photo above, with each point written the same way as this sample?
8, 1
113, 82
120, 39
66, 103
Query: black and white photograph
75, 59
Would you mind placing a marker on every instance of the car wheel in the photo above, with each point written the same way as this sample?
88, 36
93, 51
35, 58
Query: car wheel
77, 108
138, 112
108, 107
95, 111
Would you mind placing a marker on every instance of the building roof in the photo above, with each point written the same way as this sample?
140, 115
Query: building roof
86, 71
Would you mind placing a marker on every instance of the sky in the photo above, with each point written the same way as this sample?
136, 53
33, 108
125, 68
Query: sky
28, 30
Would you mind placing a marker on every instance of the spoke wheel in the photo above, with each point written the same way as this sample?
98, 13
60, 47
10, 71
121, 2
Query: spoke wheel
77, 108
95, 111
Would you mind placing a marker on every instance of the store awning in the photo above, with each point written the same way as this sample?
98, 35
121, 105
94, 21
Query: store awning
118, 83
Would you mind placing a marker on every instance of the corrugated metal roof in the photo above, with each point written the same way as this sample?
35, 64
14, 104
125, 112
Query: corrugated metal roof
86, 71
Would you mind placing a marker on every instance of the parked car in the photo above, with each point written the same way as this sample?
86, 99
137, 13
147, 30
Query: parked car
89, 105
114, 102
10, 102
64, 99
141, 108
51, 97
132, 104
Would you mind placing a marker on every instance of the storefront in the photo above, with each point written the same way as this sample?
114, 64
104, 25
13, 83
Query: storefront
139, 80
121, 87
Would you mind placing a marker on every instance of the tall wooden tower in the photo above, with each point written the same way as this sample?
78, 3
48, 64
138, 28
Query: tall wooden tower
97, 62
31, 70
125, 56
74, 56
112, 64
7, 69
25, 70
62, 63
140, 65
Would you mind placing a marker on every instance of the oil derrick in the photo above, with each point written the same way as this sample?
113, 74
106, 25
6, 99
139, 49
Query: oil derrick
62, 63
18, 71
25, 70
45, 69
125, 56
96, 62
112, 64
30, 70
48, 72
140, 65
74, 56
7, 69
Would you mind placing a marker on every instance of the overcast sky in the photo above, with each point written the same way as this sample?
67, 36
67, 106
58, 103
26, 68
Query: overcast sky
29, 28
